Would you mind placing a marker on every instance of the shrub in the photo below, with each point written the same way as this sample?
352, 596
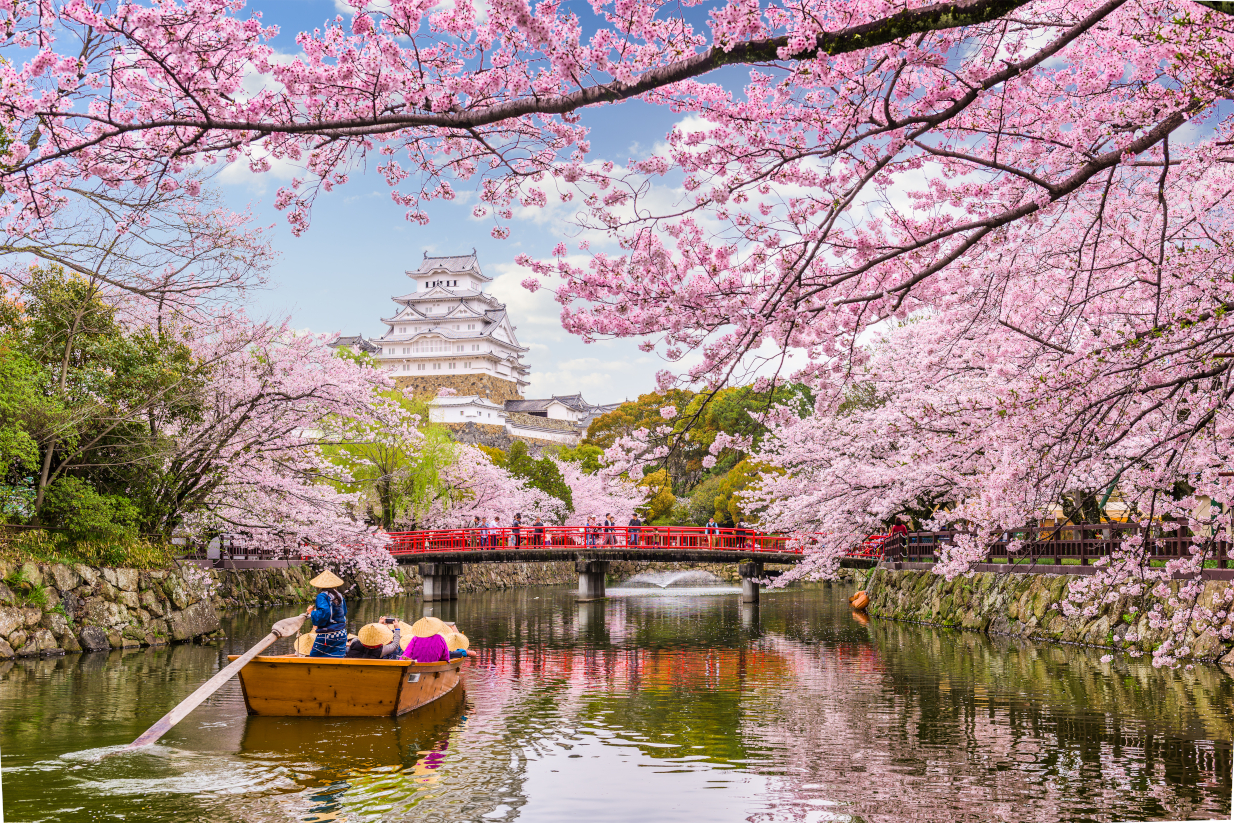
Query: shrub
74, 506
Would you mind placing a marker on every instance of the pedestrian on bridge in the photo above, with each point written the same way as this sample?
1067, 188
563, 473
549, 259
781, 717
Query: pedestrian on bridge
592, 532
610, 530
498, 537
538, 532
517, 528
632, 529
712, 530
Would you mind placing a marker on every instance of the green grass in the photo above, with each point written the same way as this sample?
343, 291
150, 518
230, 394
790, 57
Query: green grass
48, 547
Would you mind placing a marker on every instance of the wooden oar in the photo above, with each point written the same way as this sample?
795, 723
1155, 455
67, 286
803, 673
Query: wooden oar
283, 628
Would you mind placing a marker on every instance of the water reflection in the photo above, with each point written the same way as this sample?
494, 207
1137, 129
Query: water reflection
662, 708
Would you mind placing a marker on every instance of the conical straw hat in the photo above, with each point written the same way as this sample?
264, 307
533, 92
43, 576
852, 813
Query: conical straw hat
375, 634
429, 626
457, 641
326, 580
304, 643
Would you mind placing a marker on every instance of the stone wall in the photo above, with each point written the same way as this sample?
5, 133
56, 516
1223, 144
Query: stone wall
532, 421
1022, 605
495, 437
491, 386
53, 609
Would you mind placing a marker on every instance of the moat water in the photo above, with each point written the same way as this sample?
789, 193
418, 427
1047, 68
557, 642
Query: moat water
655, 705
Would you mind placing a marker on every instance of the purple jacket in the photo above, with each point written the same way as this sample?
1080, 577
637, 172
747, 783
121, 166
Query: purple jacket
427, 650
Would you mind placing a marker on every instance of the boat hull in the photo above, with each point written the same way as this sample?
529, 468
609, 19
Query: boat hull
290, 686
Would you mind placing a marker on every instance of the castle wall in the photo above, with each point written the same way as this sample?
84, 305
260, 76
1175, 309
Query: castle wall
495, 437
485, 385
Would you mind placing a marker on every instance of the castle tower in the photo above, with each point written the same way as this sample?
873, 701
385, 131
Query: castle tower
449, 333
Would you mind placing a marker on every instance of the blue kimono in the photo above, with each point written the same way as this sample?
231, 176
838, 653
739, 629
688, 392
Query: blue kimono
329, 616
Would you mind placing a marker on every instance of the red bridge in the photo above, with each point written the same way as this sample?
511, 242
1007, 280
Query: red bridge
441, 553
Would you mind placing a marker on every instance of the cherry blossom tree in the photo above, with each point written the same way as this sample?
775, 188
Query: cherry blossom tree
598, 494
1030, 200
252, 465
477, 486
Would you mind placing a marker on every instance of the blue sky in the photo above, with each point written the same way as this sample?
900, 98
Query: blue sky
339, 275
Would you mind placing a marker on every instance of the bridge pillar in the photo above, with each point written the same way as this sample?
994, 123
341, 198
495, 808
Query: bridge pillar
440, 580
591, 578
750, 572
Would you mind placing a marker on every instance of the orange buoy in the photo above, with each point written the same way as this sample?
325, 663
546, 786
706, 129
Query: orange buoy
859, 601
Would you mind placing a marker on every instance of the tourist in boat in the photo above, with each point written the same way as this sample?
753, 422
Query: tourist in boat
329, 616
428, 642
374, 641
458, 644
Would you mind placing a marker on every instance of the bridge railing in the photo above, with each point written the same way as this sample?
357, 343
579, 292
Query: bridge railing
1078, 544
585, 537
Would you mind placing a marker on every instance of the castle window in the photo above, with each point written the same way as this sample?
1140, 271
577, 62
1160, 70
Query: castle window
420, 367
406, 367
406, 350
436, 367
467, 365
458, 348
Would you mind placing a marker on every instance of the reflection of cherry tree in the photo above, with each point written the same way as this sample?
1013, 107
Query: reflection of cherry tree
917, 725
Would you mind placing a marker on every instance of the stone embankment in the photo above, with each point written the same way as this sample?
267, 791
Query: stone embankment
54, 609
1023, 605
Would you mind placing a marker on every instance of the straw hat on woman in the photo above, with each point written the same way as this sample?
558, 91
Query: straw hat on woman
428, 641
374, 642
329, 616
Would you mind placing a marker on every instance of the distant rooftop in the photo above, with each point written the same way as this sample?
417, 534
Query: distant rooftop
355, 341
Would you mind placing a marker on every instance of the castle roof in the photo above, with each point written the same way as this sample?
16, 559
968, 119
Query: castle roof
452, 263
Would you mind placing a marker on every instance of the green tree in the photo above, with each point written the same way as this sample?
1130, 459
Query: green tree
397, 468
107, 395
541, 474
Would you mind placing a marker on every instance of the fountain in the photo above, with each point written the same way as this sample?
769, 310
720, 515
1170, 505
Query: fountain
691, 578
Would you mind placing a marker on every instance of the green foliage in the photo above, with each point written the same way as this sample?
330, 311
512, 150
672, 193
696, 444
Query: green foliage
399, 476
586, 455
541, 474
41, 546
728, 507
700, 417
94, 397
28, 592
75, 507
661, 504
703, 499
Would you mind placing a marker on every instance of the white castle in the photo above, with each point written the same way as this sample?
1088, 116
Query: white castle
449, 325
450, 333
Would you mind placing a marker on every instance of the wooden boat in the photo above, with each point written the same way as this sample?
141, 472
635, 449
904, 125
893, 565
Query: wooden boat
293, 686
348, 743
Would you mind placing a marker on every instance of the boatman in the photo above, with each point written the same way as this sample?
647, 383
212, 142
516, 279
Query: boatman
329, 616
